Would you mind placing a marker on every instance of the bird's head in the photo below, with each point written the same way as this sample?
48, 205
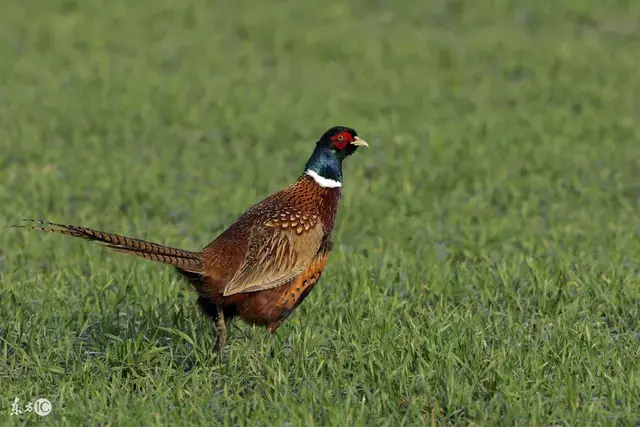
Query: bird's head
335, 145
341, 140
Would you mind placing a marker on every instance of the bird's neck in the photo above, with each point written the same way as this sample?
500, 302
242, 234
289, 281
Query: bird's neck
325, 168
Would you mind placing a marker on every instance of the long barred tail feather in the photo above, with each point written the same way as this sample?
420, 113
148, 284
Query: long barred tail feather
181, 259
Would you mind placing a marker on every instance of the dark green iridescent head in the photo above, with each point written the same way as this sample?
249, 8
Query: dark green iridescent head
334, 146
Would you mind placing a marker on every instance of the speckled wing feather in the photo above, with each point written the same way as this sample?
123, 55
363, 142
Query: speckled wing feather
277, 253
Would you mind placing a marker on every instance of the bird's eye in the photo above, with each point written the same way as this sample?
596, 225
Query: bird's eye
340, 137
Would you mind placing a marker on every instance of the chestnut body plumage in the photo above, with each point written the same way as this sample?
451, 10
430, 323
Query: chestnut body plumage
264, 265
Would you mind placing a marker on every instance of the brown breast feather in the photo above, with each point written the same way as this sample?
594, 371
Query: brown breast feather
271, 243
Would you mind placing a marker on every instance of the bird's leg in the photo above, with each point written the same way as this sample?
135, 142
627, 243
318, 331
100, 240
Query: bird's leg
217, 314
272, 327
221, 328
273, 344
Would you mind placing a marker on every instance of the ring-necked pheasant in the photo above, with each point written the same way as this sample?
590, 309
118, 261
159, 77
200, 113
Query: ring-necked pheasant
264, 265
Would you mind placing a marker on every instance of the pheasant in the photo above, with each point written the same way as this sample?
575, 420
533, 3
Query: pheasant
265, 264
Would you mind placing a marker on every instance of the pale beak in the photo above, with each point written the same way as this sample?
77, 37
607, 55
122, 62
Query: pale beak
359, 142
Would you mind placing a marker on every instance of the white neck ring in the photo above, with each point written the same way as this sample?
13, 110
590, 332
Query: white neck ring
322, 181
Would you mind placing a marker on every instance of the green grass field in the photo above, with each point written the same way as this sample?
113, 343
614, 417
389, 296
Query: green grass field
487, 250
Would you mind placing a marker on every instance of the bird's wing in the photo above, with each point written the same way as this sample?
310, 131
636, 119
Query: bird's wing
274, 256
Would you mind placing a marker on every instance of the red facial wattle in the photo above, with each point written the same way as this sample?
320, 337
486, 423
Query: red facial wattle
341, 140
